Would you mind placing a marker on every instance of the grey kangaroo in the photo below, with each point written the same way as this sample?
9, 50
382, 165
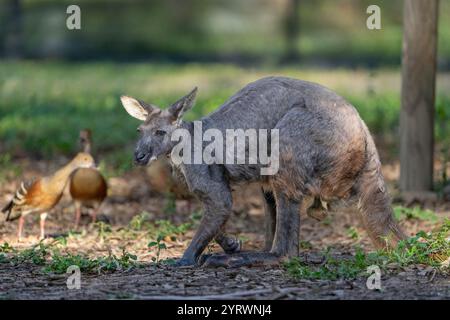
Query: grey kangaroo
326, 156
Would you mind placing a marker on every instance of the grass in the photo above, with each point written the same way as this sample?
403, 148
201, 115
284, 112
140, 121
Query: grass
44, 105
59, 263
163, 227
431, 249
53, 261
54, 258
8, 169
330, 269
417, 213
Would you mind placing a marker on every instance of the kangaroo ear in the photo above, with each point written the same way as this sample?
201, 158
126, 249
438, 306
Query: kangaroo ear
136, 108
184, 104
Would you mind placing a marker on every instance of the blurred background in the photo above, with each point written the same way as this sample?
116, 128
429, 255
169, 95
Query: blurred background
55, 81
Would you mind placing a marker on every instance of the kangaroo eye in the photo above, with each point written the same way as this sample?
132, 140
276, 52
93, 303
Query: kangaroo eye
138, 130
160, 132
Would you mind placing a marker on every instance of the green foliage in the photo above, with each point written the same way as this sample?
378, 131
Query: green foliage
138, 221
158, 245
417, 213
353, 233
103, 229
8, 169
44, 105
6, 248
424, 248
306, 245
162, 227
60, 262
37, 254
167, 228
52, 260
331, 269
442, 132
220, 29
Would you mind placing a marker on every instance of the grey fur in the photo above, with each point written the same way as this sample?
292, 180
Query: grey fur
326, 155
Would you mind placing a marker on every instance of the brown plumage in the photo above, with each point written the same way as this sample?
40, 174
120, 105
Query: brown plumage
163, 181
41, 195
88, 187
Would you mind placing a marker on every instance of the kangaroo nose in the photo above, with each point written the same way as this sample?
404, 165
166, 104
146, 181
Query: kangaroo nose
141, 157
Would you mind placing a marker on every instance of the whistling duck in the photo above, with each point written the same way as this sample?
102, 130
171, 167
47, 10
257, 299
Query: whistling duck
87, 187
41, 195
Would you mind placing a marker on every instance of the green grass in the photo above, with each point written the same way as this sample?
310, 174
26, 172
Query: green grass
424, 248
417, 213
53, 261
54, 258
44, 105
8, 169
162, 227
59, 263
331, 269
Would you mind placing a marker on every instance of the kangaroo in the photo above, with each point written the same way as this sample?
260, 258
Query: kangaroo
326, 156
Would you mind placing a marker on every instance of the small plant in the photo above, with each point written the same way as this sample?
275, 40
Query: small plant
401, 212
37, 255
306, 245
137, 223
331, 269
60, 262
6, 248
425, 248
167, 229
114, 263
353, 233
158, 245
103, 230
431, 248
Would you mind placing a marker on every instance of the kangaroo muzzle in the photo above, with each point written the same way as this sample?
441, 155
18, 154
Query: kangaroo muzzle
142, 157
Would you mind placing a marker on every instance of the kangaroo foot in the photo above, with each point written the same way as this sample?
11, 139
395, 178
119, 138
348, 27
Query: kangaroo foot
183, 262
243, 259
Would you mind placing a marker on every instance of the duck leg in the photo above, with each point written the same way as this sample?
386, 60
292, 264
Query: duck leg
95, 213
20, 228
77, 214
42, 225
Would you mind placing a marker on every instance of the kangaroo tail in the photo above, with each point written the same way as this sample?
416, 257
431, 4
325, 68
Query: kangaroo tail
374, 201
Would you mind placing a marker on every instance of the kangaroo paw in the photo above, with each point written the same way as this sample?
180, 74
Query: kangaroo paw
243, 259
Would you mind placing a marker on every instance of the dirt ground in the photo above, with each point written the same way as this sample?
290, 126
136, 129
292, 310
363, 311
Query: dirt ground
132, 194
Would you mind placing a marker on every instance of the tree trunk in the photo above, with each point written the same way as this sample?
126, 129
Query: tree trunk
418, 94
